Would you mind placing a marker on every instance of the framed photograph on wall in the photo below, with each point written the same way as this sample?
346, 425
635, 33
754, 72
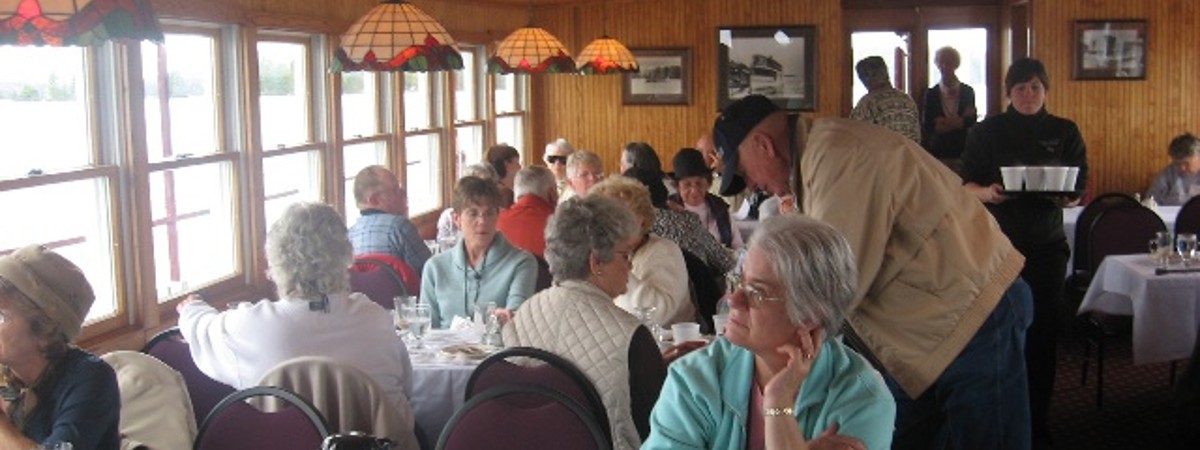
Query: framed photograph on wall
778, 62
664, 78
1110, 49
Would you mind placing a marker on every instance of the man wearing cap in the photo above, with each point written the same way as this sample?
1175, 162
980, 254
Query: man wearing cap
940, 307
52, 391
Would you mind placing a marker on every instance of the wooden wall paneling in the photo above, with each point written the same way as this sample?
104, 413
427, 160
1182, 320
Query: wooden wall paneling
1126, 124
588, 110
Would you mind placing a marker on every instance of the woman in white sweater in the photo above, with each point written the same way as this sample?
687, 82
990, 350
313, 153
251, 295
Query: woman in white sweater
659, 277
308, 254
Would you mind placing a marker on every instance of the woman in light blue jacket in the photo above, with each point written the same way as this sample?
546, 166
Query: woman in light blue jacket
779, 380
483, 267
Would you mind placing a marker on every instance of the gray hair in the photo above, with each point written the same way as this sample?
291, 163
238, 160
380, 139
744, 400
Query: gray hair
481, 170
582, 227
814, 266
308, 252
534, 180
1184, 146
370, 180
948, 55
560, 144
582, 158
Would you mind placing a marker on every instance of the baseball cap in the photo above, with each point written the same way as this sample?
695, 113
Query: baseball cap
731, 128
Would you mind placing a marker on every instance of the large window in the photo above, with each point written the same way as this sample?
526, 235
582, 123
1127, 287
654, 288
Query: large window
57, 190
156, 167
191, 176
292, 164
470, 117
510, 110
423, 141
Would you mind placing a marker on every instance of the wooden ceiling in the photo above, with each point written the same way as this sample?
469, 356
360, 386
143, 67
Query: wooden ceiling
537, 4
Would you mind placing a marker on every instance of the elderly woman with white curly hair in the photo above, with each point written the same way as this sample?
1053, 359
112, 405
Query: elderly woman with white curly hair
779, 379
308, 254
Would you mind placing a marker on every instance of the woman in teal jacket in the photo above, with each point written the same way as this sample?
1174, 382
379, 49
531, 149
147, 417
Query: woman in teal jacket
777, 380
483, 267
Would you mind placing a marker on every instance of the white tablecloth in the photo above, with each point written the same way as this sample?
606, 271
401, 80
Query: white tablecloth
439, 384
1071, 217
1165, 308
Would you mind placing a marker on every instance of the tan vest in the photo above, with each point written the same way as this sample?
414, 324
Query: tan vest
579, 322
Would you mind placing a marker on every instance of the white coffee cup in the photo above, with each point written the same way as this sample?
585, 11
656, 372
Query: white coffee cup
685, 331
1056, 178
1035, 178
1014, 177
1072, 177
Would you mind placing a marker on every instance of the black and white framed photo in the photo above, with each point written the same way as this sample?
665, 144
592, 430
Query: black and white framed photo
665, 77
777, 62
1110, 49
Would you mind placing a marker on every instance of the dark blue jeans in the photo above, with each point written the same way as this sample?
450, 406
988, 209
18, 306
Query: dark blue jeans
981, 401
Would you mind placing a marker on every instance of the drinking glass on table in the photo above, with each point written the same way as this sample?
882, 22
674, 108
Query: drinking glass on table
1185, 245
645, 314
418, 317
400, 303
1161, 248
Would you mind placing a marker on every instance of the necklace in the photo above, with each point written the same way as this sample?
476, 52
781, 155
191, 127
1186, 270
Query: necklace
477, 274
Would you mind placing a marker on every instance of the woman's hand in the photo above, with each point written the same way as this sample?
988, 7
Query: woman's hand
194, 298
987, 194
782, 389
503, 315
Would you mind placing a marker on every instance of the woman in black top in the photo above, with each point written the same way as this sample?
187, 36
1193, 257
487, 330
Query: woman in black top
1027, 135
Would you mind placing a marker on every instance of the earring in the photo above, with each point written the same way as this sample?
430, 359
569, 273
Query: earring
598, 273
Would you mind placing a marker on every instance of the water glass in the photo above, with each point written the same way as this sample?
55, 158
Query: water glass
1161, 248
400, 303
418, 317
484, 312
645, 314
1185, 245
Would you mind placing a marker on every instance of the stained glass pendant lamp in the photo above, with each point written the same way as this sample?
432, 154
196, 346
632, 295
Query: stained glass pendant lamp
76, 22
396, 36
606, 55
531, 50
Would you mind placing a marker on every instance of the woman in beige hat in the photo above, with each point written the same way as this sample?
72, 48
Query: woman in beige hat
52, 391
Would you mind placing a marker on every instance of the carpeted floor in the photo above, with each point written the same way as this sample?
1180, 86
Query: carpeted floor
1137, 410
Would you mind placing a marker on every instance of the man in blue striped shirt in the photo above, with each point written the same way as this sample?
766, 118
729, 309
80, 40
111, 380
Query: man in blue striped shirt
384, 226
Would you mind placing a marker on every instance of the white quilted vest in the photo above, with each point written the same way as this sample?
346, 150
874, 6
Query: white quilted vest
579, 322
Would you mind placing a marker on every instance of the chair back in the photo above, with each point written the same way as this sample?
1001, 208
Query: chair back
204, 392
519, 366
383, 277
347, 398
1188, 218
706, 290
1121, 230
155, 408
1081, 260
544, 278
235, 424
522, 417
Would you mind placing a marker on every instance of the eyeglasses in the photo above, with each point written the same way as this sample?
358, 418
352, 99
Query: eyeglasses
556, 159
476, 213
734, 283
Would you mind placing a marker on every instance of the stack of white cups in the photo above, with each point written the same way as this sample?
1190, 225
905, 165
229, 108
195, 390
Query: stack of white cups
1039, 178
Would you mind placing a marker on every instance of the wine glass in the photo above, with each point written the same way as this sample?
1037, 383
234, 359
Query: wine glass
401, 303
418, 316
645, 314
1185, 244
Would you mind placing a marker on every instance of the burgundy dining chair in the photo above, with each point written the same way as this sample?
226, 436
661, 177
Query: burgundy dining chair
170, 348
383, 277
518, 417
235, 424
1187, 220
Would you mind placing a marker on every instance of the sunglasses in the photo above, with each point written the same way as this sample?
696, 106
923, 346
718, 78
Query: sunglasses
556, 159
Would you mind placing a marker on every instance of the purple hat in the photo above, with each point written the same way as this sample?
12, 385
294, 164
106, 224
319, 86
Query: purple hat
731, 127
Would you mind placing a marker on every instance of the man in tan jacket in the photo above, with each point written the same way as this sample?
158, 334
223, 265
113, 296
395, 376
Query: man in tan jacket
940, 307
